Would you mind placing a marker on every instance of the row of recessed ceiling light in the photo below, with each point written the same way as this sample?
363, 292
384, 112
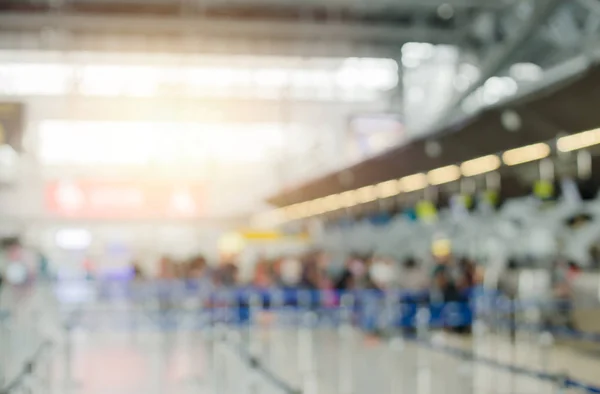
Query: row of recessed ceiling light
438, 176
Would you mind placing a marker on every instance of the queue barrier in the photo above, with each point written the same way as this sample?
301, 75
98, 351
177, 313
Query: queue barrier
178, 292
213, 303
31, 370
185, 306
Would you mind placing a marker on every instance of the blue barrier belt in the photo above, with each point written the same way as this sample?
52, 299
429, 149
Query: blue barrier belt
570, 383
466, 355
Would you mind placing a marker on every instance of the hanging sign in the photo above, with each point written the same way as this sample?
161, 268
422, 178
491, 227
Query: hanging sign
426, 211
117, 199
544, 190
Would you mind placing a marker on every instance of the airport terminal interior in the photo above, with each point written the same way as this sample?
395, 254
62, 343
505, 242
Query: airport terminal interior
299, 196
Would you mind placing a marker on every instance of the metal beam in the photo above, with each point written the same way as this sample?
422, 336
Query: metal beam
105, 43
399, 5
309, 31
504, 51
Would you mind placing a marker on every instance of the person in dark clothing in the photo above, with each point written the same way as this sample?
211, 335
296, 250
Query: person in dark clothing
467, 274
447, 292
444, 288
355, 275
344, 281
226, 274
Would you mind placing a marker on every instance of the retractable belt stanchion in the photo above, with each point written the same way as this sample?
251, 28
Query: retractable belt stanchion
307, 361
218, 362
276, 331
303, 299
5, 343
423, 357
544, 342
394, 341
255, 345
346, 344
69, 324
482, 307
254, 339
534, 318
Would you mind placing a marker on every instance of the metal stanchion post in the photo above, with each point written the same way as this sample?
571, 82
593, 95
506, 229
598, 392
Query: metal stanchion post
546, 341
49, 381
534, 319
5, 343
346, 345
306, 359
303, 301
217, 358
394, 341
68, 350
480, 307
423, 358
254, 343
277, 302
204, 315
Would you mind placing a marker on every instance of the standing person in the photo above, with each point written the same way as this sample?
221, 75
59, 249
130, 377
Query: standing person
443, 288
290, 272
562, 294
355, 275
467, 274
413, 278
138, 273
197, 268
166, 269
262, 276
383, 274
344, 281
310, 272
226, 274
446, 292
166, 275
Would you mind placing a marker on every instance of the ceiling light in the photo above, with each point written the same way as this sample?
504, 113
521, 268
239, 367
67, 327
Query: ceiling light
525, 154
480, 165
443, 175
578, 141
332, 202
413, 182
348, 199
365, 194
297, 211
388, 188
316, 207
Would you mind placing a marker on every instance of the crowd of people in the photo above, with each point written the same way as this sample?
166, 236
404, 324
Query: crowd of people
445, 276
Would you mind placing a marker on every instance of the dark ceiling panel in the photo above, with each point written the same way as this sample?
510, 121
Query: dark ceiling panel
573, 108
563, 107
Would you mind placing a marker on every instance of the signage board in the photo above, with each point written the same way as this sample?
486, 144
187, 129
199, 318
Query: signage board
120, 199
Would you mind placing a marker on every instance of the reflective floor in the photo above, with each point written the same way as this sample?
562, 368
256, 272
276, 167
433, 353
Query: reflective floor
324, 361
109, 355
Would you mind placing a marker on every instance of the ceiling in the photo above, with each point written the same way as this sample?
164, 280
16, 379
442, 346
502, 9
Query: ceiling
568, 106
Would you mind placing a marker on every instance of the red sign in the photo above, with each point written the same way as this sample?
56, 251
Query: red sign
100, 199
